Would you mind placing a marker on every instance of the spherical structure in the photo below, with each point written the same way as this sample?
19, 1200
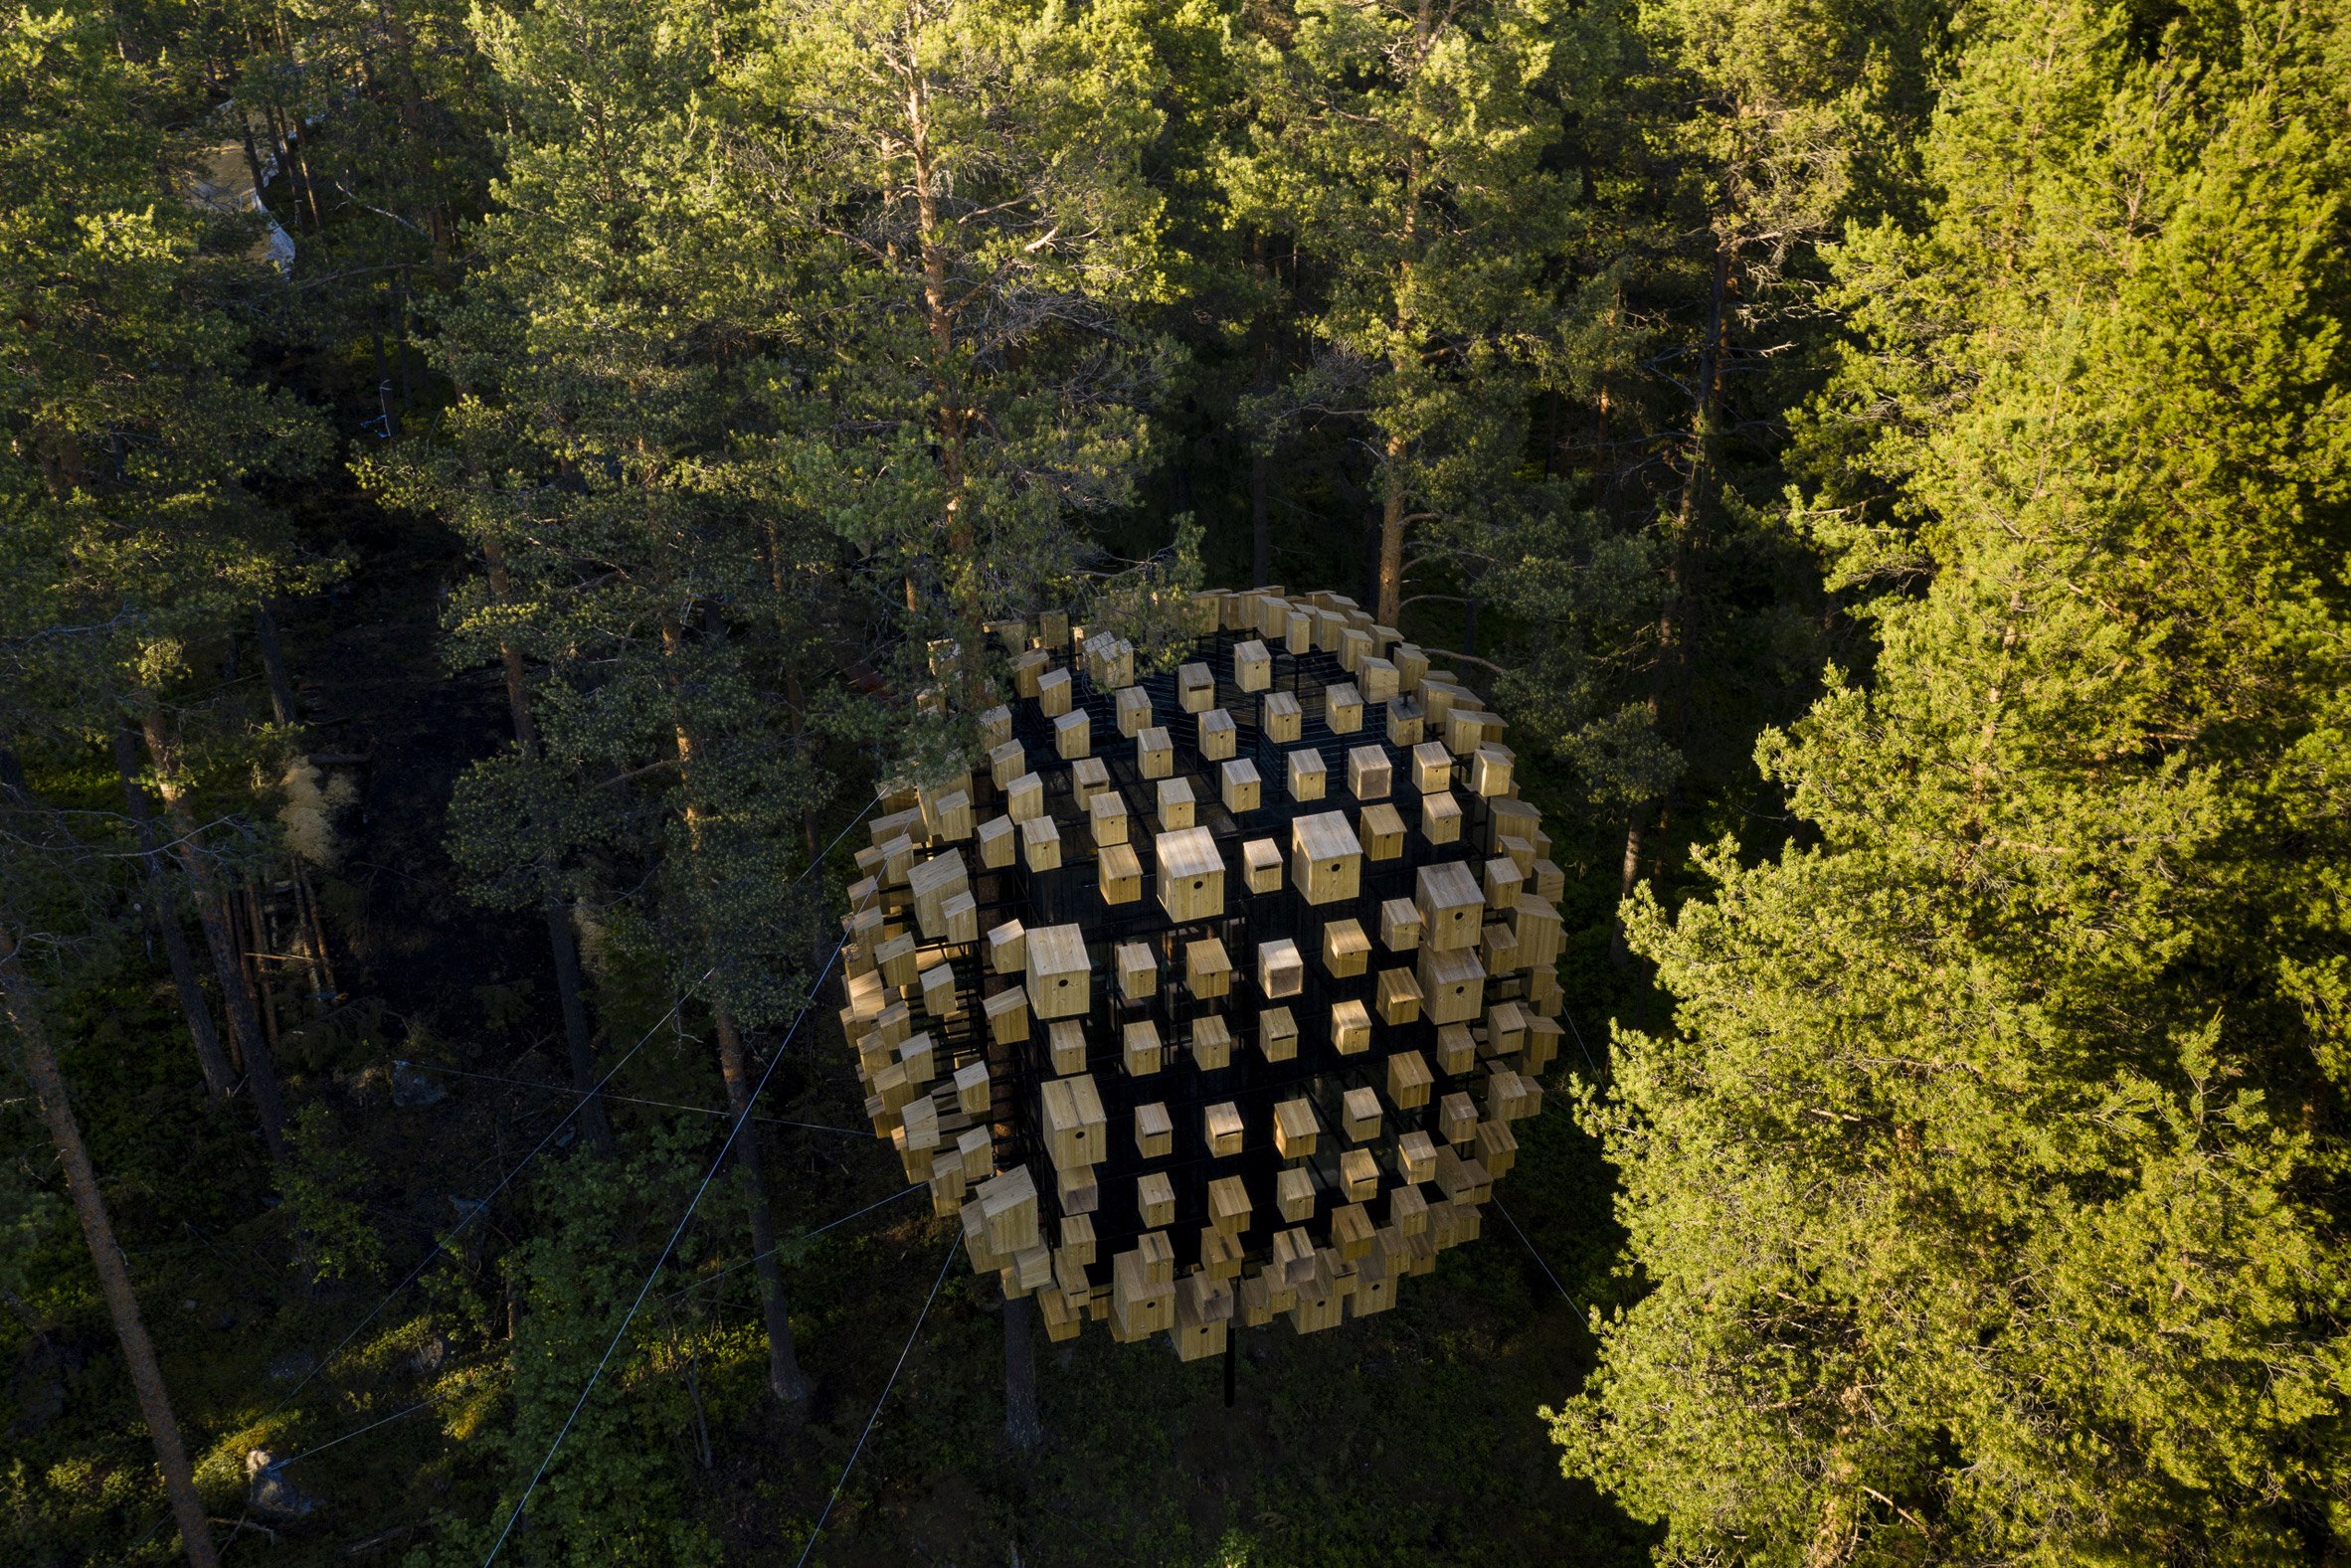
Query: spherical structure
1211, 994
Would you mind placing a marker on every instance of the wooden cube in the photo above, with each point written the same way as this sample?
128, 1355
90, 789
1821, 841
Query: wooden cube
1007, 948
1217, 735
1007, 1016
1354, 647
1075, 1126
1155, 1199
1503, 882
1350, 1028
1280, 970
1408, 1211
1548, 881
1351, 1231
919, 1055
1058, 972
1221, 1124
1261, 865
1025, 798
1378, 679
1240, 785
1326, 859
1177, 808
1191, 874
1360, 1114
1065, 1043
1207, 971
1277, 1034
960, 919
1073, 736
1107, 812
1294, 1193
1537, 924
938, 992
1134, 711
1404, 722
1252, 665
1367, 772
1457, 1050
1119, 873
1440, 818
1432, 768
1309, 779
1358, 1175
1399, 925
1498, 948
1195, 688
1280, 718
1155, 752
1498, 1148
1154, 1130
1399, 996
1381, 831
1416, 1158
895, 959
1298, 629
1452, 984
1211, 1043
1139, 1048
1138, 972
1408, 1079
1342, 707
1452, 908
1041, 843
1346, 949
1294, 1128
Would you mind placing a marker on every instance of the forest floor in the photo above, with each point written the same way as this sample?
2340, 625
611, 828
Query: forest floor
1413, 1436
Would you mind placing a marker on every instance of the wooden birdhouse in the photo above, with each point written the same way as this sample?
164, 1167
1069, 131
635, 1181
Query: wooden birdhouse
1280, 718
1432, 768
1134, 711
1503, 882
997, 840
1058, 971
1452, 984
1239, 785
1457, 1050
1007, 949
1409, 1079
1252, 665
1007, 1016
1399, 996
1358, 1175
1207, 970
1176, 806
1107, 814
1138, 972
1280, 970
1155, 752
1154, 1130
1294, 1128
1294, 1194
1399, 925
1381, 831
1452, 907
1211, 1043
1342, 707
1065, 1044
1416, 1158
1489, 769
1054, 690
1119, 872
1277, 1034
1195, 688
1360, 1114
938, 992
1378, 679
1075, 1126
1041, 843
1025, 798
1217, 735
1325, 858
1367, 772
1088, 776
1261, 865
1346, 949
1440, 818
1221, 1125
1006, 763
1191, 874
1155, 1199
1350, 1028
1228, 1205
1073, 736
1139, 1049
1309, 779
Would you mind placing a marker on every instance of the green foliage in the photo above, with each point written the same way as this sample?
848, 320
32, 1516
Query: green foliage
323, 1187
1987, 1178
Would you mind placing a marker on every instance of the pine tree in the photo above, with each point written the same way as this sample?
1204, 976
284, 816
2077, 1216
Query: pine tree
1986, 1181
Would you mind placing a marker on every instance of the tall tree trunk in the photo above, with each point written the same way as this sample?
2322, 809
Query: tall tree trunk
219, 1077
1391, 533
281, 691
220, 936
1261, 523
783, 1374
579, 1038
1022, 1429
961, 562
122, 1304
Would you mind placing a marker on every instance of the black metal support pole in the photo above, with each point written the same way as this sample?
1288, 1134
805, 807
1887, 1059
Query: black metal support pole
1232, 1343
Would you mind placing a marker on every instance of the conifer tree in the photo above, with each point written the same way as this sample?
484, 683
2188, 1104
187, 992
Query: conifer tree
1985, 1182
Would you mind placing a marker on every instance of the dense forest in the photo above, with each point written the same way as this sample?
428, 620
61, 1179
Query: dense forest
486, 488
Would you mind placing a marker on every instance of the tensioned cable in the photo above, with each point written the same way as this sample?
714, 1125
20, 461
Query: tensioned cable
734, 1130
629, 1099
916, 1332
1537, 1257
